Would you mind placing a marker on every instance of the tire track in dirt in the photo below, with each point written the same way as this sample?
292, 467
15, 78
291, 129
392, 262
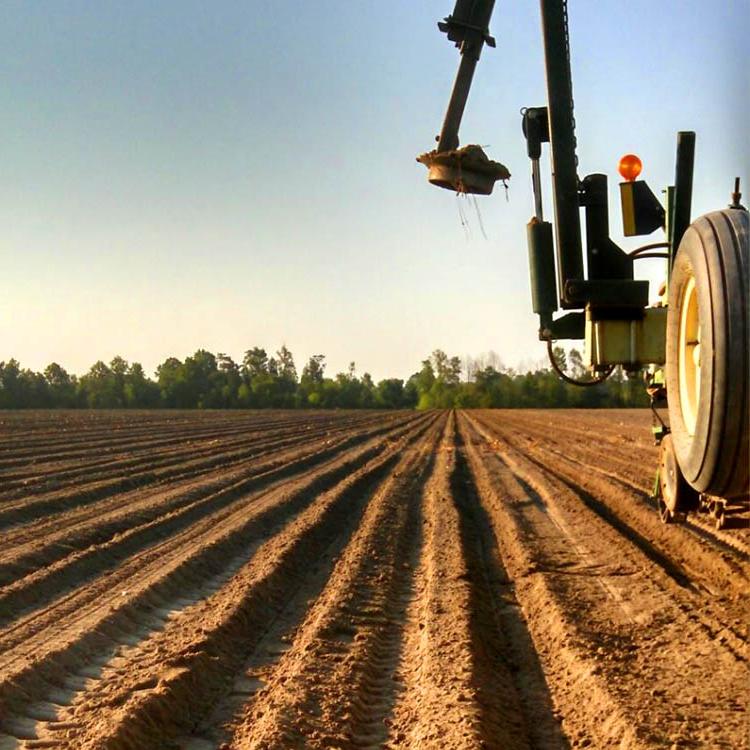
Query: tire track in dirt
18, 512
640, 656
623, 498
633, 468
466, 680
187, 447
47, 620
420, 581
716, 588
52, 581
507, 668
334, 685
173, 675
49, 540
88, 636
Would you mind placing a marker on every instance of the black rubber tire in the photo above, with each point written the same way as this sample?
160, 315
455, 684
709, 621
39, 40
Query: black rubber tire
715, 458
676, 494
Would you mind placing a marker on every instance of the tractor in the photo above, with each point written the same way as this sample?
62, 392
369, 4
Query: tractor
692, 346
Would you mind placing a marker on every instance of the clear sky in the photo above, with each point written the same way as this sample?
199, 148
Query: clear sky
189, 174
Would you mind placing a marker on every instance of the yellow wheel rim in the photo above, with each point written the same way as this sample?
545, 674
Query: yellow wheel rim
689, 356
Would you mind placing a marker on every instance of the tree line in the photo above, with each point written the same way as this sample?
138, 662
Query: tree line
215, 381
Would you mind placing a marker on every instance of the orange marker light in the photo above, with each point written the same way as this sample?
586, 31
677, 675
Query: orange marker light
630, 167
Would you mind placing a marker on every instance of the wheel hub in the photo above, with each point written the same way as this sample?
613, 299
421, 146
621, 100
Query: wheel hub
689, 356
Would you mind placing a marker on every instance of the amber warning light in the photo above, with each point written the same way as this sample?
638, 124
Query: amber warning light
630, 167
641, 211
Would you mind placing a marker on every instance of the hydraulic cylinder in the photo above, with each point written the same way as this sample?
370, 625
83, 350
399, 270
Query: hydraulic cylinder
542, 267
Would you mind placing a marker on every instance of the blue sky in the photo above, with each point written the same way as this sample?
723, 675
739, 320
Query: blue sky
222, 175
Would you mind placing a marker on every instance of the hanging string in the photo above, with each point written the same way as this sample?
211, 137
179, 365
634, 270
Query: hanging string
479, 216
462, 216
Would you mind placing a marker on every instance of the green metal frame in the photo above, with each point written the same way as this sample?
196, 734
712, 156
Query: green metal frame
608, 290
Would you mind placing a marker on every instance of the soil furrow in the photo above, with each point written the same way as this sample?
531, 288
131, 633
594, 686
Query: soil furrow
707, 584
334, 686
636, 485
360, 580
189, 449
189, 427
633, 649
20, 511
131, 458
53, 581
28, 515
679, 552
196, 654
632, 465
511, 684
44, 543
202, 537
461, 675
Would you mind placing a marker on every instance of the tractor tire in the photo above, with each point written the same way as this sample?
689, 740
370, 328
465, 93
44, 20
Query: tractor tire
676, 496
707, 354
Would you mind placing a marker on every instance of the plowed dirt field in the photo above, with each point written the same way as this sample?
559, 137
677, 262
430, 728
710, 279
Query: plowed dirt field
479, 579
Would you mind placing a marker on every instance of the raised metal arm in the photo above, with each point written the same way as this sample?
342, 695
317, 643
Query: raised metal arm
607, 289
468, 27
562, 142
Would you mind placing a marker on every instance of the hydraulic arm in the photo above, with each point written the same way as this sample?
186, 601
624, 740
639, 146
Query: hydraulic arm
600, 287
696, 346
468, 28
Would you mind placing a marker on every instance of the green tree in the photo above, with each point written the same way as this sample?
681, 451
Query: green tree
367, 392
254, 364
119, 370
10, 384
421, 383
62, 387
286, 379
227, 382
171, 383
389, 394
200, 377
311, 382
98, 389
139, 391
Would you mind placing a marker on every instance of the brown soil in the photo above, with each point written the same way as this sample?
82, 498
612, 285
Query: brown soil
486, 579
